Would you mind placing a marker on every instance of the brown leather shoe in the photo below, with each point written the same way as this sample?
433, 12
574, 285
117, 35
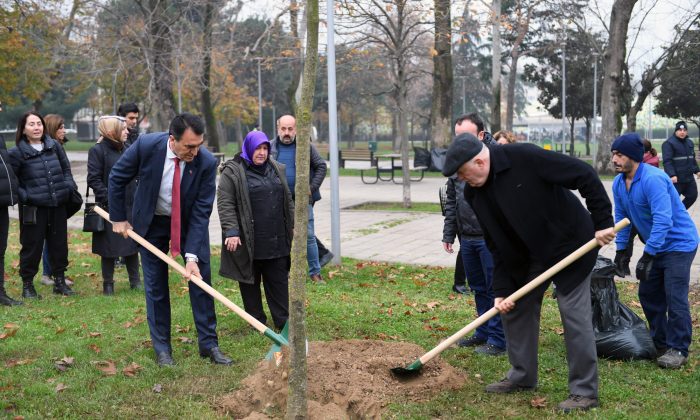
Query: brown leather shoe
316, 278
506, 387
577, 402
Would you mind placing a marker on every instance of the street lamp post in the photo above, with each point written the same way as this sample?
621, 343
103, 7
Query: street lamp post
260, 127
595, 104
563, 99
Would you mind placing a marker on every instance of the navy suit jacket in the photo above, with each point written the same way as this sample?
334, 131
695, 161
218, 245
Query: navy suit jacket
145, 159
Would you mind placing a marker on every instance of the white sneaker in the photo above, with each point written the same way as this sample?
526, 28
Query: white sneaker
46, 280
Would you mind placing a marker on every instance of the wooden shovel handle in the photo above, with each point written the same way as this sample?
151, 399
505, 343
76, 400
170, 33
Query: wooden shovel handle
194, 279
583, 250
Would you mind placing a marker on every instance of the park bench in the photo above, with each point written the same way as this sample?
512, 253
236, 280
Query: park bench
361, 155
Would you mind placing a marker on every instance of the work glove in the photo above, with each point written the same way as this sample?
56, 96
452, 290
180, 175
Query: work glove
644, 267
620, 260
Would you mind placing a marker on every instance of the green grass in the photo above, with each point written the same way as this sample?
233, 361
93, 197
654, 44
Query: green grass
361, 300
393, 206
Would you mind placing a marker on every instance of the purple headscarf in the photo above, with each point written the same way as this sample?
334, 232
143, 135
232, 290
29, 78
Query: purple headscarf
252, 141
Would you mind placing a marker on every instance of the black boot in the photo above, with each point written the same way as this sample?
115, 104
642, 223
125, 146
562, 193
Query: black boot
135, 284
4, 299
108, 288
28, 290
60, 287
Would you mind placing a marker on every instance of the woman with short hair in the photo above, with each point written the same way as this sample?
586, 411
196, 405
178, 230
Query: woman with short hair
45, 187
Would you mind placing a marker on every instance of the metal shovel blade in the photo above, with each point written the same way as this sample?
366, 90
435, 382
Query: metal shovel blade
280, 340
409, 371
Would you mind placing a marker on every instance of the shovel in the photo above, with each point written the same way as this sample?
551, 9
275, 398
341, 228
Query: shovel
278, 339
414, 368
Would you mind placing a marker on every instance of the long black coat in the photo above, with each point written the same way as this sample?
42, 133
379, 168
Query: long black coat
9, 184
531, 219
101, 157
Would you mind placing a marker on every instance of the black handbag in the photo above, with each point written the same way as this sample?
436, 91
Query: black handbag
75, 203
92, 222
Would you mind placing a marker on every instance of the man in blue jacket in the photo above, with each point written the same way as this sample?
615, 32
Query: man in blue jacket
646, 196
680, 164
172, 206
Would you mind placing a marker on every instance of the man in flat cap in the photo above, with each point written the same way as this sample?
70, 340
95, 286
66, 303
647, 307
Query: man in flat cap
647, 197
679, 163
531, 220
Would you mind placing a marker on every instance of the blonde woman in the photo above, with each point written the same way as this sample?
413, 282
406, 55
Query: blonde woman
102, 156
504, 137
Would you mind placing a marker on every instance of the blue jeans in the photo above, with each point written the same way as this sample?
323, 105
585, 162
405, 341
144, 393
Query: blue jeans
664, 299
45, 259
478, 264
311, 246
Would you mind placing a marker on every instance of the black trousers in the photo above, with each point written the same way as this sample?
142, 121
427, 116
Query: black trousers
132, 267
689, 191
4, 231
274, 275
51, 225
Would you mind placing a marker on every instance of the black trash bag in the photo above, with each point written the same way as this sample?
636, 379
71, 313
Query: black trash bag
421, 157
619, 332
437, 159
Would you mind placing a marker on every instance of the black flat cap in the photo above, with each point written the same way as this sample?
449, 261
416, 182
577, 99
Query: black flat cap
463, 148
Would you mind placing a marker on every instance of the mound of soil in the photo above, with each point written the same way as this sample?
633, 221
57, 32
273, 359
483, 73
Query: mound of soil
346, 379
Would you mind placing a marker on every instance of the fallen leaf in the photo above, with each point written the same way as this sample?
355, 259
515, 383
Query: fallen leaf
108, 368
558, 330
63, 364
180, 329
635, 304
366, 285
60, 387
94, 348
332, 274
157, 388
86, 265
10, 326
432, 305
538, 402
95, 334
15, 264
185, 340
131, 369
419, 283
59, 330
18, 362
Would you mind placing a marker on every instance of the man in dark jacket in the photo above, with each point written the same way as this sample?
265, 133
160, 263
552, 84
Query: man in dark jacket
531, 220
680, 164
284, 150
130, 112
8, 197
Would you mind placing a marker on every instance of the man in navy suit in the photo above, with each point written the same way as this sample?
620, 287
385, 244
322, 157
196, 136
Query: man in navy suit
159, 161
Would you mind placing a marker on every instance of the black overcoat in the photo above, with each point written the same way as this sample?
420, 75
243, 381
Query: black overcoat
101, 157
531, 219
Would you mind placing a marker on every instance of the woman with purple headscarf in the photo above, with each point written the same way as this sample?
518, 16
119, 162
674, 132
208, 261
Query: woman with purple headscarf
256, 213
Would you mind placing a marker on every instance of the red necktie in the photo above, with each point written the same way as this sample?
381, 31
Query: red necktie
175, 212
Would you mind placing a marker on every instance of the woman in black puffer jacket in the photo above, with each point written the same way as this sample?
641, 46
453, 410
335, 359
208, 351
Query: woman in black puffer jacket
45, 186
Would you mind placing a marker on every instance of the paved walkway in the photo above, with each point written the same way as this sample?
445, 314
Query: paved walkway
404, 237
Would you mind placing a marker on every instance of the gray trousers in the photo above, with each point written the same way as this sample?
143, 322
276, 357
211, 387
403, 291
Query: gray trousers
522, 328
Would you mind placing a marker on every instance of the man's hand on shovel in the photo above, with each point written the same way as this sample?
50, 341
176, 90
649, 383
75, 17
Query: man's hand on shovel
192, 269
503, 305
605, 236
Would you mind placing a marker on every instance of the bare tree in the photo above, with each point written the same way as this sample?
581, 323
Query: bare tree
396, 27
210, 12
441, 111
614, 58
296, 400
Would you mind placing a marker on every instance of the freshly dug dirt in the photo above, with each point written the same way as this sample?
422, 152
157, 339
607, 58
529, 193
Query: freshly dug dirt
346, 379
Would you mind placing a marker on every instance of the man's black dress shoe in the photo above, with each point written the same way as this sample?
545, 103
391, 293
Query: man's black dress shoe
165, 359
460, 288
216, 356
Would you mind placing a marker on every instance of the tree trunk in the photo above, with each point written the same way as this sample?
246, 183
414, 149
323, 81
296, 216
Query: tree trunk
647, 86
614, 57
496, 66
296, 400
207, 107
588, 136
296, 74
441, 112
512, 80
572, 143
161, 85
